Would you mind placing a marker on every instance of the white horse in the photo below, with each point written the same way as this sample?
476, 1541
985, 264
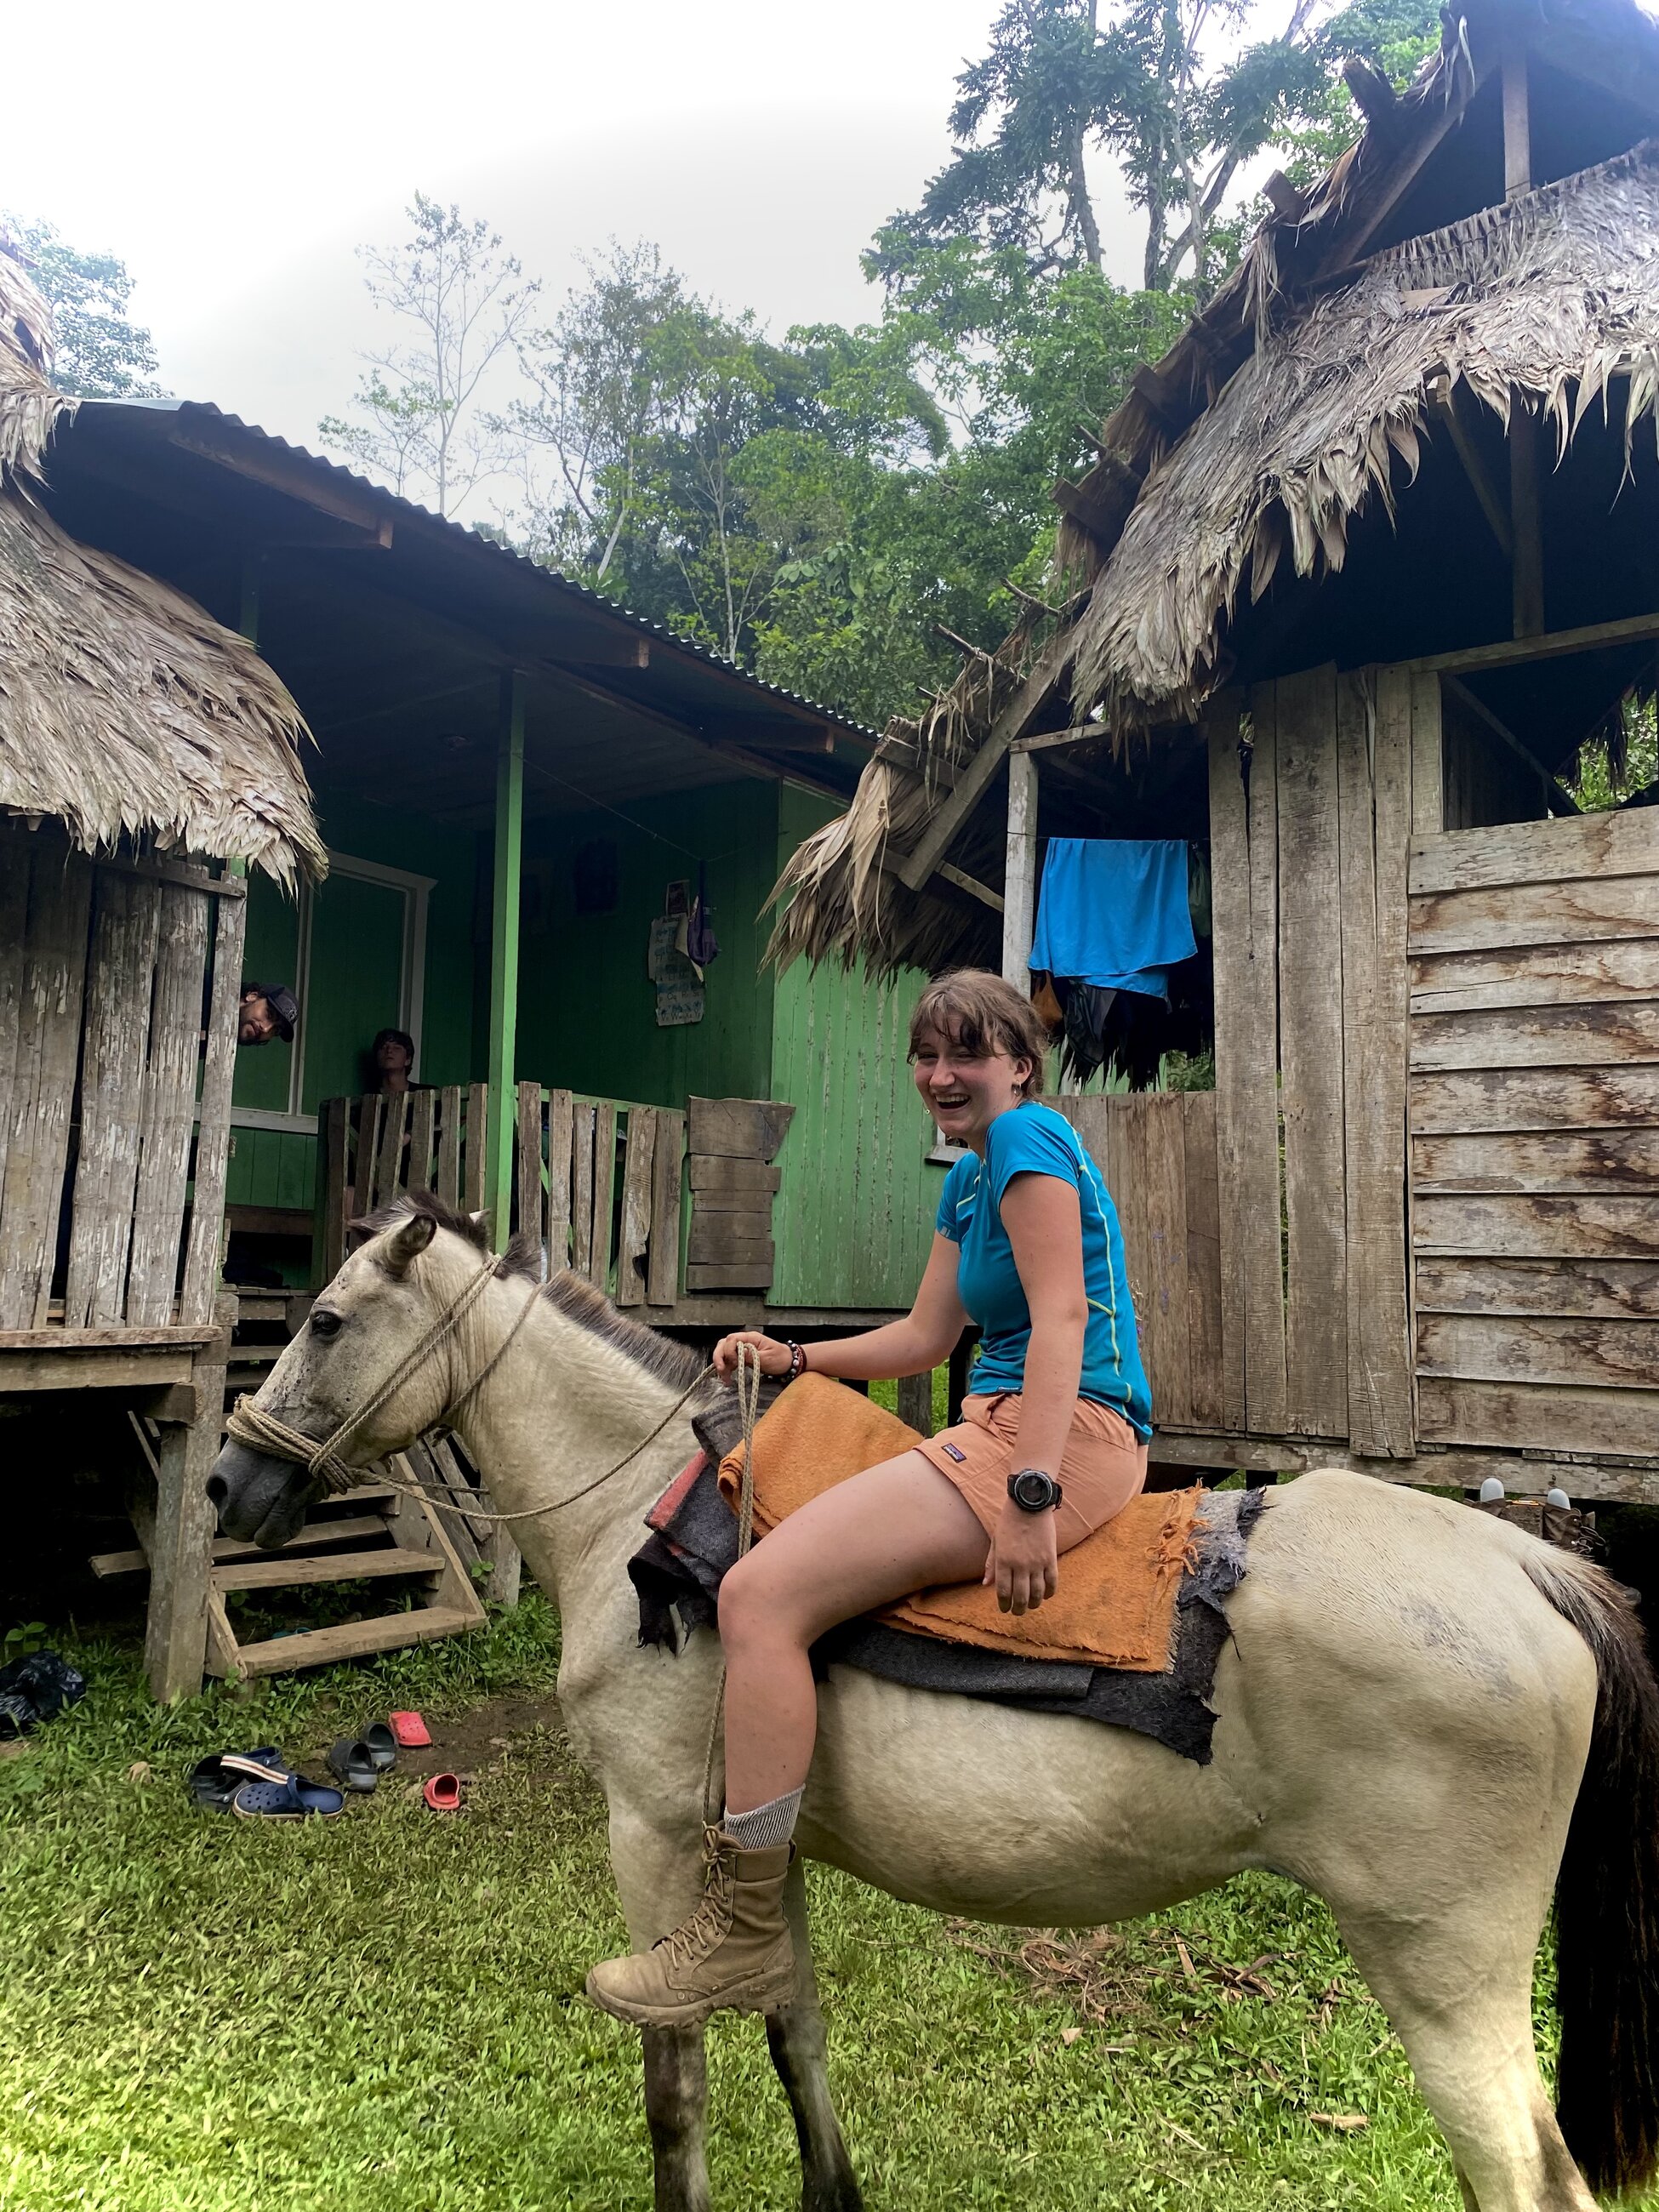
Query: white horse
1431, 1720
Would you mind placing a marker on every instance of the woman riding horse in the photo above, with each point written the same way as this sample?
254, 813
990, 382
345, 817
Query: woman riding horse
1052, 1443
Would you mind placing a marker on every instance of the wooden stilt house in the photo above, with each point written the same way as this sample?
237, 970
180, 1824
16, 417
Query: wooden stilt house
521, 788
1364, 564
148, 760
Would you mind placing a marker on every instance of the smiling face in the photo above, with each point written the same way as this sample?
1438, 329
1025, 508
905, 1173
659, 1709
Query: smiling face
965, 1092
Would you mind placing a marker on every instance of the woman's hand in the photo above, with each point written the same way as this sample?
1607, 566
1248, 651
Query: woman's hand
1023, 1563
774, 1356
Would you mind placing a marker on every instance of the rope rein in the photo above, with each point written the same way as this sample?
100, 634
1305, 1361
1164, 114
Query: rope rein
749, 1383
249, 1424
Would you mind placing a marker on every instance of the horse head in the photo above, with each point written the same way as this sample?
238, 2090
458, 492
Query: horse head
367, 1330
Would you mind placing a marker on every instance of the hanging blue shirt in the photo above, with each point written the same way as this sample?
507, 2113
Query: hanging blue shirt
1113, 912
1033, 1140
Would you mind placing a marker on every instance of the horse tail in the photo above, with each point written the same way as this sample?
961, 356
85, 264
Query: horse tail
1607, 1894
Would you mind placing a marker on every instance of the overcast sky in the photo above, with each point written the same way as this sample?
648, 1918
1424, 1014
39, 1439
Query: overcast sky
233, 157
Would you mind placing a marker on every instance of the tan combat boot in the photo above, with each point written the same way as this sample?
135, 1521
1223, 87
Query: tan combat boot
732, 1954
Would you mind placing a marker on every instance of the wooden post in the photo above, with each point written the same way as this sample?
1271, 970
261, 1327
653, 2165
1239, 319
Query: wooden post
1526, 528
961, 1362
504, 959
1020, 888
207, 1218
1525, 524
916, 1401
181, 1550
1517, 123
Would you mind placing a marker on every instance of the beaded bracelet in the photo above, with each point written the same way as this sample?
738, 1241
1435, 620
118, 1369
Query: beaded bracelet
797, 1358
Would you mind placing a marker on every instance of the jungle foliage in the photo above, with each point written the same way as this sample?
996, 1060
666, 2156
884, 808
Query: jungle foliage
836, 509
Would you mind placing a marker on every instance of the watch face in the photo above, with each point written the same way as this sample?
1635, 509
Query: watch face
1034, 1491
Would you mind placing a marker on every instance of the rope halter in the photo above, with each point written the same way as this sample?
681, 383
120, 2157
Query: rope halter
249, 1424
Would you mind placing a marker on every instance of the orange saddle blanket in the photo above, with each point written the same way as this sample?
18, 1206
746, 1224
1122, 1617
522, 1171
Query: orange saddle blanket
1116, 1603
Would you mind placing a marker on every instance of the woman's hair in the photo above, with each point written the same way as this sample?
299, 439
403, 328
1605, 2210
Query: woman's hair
983, 1015
392, 1036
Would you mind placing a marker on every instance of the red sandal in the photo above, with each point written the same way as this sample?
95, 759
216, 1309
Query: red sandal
443, 1792
409, 1729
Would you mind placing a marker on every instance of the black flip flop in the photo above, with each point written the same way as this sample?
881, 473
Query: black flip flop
353, 1763
382, 1746
213, 1782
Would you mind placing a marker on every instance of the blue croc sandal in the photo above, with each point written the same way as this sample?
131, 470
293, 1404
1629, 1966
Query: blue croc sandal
214, 1782
293, 1798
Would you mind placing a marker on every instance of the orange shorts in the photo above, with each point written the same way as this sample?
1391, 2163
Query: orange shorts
1102, 1468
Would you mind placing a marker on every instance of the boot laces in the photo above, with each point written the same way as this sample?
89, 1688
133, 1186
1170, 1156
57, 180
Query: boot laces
697, 1935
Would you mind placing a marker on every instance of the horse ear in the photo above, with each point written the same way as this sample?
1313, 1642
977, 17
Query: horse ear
406, 1243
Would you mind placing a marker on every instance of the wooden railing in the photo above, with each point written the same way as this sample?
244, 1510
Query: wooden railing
603, 1184
596, 1181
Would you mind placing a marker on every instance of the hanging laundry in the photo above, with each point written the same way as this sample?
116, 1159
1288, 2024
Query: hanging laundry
1113, 912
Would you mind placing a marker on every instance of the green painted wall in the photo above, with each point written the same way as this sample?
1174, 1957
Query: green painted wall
854, 1214
356, 958
398, 838
853, 1218
586, 1007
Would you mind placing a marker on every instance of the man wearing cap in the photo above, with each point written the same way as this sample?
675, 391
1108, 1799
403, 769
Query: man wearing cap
266, 1011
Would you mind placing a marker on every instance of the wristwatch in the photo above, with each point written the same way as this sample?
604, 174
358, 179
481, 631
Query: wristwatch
1033, 1492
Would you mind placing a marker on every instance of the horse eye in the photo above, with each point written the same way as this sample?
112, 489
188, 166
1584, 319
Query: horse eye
325, 1323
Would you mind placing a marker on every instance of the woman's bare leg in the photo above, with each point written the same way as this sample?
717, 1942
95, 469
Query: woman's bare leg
896, 1527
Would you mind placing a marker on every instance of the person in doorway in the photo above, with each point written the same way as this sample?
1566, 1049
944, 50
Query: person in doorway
1052, 1443
266, 1011
393, 1056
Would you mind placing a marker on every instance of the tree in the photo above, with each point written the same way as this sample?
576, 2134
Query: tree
647, 400
102, 353
924, 491
596, 378
419, 420
1057, 84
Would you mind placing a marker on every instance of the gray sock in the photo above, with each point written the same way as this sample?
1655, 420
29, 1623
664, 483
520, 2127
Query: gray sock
770, 1823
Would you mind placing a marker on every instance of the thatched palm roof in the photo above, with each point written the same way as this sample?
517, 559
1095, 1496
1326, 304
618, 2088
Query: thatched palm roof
1276, 417
126, 711
1551, 296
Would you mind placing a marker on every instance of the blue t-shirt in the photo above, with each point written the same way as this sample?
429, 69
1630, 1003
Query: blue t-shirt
1033, 1140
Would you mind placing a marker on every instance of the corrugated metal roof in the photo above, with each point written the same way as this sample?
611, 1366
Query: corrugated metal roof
466, 534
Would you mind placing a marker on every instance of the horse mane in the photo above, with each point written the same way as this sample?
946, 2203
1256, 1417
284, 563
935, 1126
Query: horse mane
572, 1295
583, 1303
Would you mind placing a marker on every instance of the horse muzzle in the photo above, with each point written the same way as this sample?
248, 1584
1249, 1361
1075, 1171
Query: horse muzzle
259, 1499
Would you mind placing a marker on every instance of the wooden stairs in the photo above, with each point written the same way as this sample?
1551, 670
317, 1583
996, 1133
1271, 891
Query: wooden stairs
376, 1535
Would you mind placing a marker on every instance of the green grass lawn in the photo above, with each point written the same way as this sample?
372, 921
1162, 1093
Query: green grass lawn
380, 2013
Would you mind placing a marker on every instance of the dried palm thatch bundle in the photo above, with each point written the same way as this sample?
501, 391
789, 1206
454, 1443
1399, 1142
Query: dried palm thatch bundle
28, 406
1549, 298
838, 897
126, 712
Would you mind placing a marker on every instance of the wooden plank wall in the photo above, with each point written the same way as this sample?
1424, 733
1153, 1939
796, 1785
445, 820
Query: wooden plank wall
1310, 782
1156, 1151
596, 1183
1534, 1130
102, 970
